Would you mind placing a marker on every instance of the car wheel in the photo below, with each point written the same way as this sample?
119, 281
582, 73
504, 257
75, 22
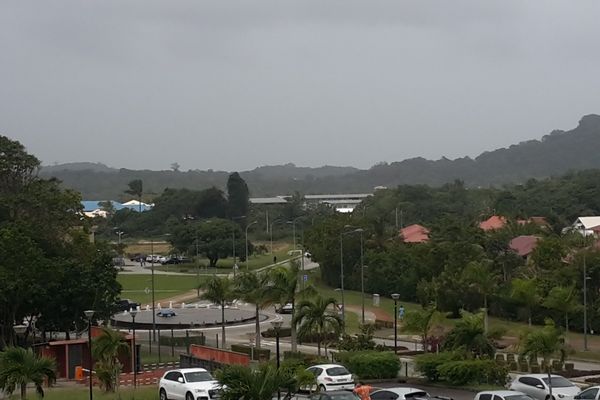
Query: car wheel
322, 388
189, 396
163, 395
550, 397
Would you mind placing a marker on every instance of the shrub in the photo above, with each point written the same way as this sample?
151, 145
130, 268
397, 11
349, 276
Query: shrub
513, 366
569, 367
428, 364
371, 364
473, 371
256, 354
283, 332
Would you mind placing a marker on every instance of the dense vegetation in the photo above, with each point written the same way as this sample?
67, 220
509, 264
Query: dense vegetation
462, 266
555, 154
50, 272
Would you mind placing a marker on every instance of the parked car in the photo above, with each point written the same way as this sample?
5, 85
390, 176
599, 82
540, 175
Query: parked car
536, 386
502, 395
400, 393
176, 260
334, 395
285, 309
153, 258
590, 393
188, 384
126, 305
137, 257
332, 377
118, 261
166, 313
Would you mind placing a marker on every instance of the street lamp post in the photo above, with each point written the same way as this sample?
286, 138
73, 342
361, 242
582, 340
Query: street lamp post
585, 327
248, 226
133, 313
153, 300
88, 315
395, 296
277, 327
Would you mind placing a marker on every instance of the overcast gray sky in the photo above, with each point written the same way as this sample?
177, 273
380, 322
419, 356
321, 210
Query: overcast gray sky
237, 84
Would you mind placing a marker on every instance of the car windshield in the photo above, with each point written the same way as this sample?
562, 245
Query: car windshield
337, 371
343, 396
198, 376
518, 397
558, 381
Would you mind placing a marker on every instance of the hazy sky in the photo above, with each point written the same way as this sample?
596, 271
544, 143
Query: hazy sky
237, 84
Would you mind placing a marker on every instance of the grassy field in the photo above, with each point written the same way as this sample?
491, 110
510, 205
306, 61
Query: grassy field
78, 393
165, 286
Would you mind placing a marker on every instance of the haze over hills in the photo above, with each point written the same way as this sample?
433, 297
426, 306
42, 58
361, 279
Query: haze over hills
555, 154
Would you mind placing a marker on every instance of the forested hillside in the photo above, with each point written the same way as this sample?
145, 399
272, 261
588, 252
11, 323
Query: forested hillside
555, 154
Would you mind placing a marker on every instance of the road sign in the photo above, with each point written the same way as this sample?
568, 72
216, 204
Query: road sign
305, 278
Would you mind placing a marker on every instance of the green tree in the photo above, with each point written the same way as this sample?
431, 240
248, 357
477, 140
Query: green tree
480, 277
255, 288
219, 290
241, 382
525, 292
421, 322
546, 343
288, 290
106, 349
19, 366
317, 318
563, 300
136, 188
238, 196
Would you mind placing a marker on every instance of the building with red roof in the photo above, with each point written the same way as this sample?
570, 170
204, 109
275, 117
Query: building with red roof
414, 234
492, 223
524, 245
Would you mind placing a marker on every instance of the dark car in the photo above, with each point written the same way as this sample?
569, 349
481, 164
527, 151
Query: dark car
334, 395
126, 305
177, 260
137, 257
166, 313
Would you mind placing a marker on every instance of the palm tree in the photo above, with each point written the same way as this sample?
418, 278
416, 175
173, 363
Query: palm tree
525, 291
546, 342
481, 278
19, 366
106, 349
469, 334
243, 382
219, 291
255, 288
285, 284
316, 318
421, 322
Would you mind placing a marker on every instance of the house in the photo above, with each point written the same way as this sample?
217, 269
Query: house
539, 221
524, 245
492, 223
414, 234
585, 225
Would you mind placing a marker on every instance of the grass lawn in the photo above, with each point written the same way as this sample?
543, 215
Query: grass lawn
78, 393
165, 286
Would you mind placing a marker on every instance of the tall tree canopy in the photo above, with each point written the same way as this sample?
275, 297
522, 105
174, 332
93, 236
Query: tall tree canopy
238, 196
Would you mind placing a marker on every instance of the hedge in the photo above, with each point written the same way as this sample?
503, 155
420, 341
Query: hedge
473, 371
270, 333
370, 364
182, 341
428, 364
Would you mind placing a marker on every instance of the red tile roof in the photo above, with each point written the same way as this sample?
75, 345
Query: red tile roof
523, 245
493, 222
415, 234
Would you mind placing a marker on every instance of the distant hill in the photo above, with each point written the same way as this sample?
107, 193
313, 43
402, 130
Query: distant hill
553, 155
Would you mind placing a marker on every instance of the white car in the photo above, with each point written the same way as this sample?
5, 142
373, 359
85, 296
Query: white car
332, 377
502, 395
400, 393
188, 384
590, 393
536, 386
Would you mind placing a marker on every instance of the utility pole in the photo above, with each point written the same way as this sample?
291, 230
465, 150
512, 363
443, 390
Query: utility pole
585, 327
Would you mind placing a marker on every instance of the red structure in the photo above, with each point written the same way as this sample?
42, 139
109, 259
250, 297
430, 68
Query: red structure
219, 356
414, 234
492, 223
73, 353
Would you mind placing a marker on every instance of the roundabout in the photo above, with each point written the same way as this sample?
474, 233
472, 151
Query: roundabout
199, 315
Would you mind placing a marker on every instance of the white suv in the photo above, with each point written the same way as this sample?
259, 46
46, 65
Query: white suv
537, 386
188, 384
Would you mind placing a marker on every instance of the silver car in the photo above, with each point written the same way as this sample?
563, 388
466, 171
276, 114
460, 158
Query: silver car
502, 395
537, 386
590, 393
